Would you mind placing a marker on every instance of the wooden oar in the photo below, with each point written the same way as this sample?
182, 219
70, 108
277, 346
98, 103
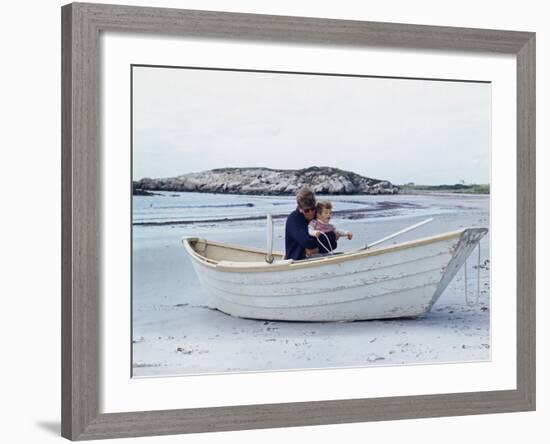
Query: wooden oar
398, 233
269, 256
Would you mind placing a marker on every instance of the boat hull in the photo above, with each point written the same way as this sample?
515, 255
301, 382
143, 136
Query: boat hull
403, 280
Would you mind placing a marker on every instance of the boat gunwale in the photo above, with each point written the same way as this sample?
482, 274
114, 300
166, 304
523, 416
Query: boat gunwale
290, 264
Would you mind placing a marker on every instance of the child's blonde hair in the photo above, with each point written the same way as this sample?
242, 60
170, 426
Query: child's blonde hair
322, 205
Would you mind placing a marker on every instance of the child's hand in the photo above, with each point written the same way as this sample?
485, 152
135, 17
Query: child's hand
317, 233
350, 235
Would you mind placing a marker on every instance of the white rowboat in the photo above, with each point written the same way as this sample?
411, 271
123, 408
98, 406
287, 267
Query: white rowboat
401, 280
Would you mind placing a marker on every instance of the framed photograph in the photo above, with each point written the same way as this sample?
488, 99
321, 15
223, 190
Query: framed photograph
276, 221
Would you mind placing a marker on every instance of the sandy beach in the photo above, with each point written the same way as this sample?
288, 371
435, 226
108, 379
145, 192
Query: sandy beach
175, 333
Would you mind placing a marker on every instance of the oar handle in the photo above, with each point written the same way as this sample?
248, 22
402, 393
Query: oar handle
398, 233
269, 256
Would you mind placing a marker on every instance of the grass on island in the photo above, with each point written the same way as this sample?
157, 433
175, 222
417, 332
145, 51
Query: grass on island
456, 188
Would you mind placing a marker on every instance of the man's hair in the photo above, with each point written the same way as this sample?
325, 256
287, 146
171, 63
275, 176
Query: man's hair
322, 205
305, 198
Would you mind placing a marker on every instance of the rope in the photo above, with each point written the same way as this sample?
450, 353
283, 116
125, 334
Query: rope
478, 268
466, 281
468, 303
329, 248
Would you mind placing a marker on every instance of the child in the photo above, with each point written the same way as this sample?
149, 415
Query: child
321, 224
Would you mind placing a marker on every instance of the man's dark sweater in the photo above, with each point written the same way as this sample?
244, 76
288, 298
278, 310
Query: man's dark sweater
297, 239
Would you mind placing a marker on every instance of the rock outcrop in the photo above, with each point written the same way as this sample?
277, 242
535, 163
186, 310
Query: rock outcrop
266, 181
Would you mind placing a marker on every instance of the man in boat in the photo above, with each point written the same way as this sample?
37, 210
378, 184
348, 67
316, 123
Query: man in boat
297, 238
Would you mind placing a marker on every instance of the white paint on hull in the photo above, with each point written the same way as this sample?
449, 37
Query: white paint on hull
409, 303
396, 281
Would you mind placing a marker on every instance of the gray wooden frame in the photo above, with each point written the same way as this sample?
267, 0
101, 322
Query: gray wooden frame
81, 231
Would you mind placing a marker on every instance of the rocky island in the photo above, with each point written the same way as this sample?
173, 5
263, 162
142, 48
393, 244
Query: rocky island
267, 181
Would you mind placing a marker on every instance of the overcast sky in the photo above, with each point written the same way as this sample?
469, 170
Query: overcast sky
427, 132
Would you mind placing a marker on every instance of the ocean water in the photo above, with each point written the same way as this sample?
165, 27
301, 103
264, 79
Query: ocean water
170, 208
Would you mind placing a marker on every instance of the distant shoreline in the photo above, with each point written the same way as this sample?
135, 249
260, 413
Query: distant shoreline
446, 189
404, 190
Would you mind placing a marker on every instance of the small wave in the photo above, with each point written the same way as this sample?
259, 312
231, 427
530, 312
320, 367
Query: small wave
383, 208
183, 206
201, 221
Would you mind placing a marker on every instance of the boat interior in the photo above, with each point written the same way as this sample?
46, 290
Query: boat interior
216, 252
